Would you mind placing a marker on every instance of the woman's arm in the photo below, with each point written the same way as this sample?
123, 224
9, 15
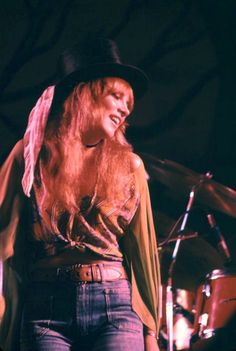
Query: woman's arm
150, 340
141, 249
10, 199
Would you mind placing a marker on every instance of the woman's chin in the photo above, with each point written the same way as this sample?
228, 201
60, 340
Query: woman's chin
109, 134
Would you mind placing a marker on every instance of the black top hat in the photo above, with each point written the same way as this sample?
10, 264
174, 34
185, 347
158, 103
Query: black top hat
93, 59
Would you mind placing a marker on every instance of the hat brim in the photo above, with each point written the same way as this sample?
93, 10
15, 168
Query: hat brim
133, 75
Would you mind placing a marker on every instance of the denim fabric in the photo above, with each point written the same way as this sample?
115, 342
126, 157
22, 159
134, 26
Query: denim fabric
86, 316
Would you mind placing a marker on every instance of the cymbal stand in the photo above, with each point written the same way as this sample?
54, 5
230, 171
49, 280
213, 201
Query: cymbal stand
169, 288
2, 305
1, 277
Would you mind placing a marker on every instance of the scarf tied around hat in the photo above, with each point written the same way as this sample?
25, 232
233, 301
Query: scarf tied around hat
34, 134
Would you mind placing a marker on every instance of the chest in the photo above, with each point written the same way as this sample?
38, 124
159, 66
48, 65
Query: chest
89, 177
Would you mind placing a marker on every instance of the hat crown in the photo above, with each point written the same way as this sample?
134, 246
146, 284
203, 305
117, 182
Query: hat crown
88, 52
95, 58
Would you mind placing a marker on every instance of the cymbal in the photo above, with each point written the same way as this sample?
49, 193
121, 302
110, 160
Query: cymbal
181, 181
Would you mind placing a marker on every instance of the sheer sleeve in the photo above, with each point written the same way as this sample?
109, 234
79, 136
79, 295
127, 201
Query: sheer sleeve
10, 199
11, 205
140, 247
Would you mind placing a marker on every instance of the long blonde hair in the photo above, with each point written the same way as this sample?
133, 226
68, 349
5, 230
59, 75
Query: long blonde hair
61, 168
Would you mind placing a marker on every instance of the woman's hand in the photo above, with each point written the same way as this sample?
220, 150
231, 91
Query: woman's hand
150, 343
2, 306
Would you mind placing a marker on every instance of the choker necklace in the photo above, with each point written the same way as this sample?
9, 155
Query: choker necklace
93, 145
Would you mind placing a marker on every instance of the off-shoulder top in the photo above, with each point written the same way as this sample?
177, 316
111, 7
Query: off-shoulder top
139, 246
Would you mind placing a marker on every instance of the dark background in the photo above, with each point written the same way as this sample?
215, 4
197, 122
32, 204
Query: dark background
188, 49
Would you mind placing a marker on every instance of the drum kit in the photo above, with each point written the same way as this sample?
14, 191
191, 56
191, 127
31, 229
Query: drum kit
198, 279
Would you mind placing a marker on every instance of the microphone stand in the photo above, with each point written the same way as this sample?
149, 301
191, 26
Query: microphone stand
169, 288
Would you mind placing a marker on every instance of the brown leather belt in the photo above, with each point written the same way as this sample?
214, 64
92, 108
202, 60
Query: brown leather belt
81, 273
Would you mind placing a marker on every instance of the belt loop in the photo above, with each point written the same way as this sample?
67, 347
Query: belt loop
95, 273
100, 266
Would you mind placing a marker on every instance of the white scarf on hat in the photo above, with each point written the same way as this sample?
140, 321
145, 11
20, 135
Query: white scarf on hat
34, 134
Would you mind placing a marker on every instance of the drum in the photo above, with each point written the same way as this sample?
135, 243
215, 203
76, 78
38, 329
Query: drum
183, 317
215, 308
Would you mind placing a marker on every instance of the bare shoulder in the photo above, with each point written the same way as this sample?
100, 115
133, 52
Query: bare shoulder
135, 161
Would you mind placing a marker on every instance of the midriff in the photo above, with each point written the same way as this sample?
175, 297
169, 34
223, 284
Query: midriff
69, 257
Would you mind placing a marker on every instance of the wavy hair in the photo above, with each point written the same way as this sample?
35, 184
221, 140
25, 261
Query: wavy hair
62, 169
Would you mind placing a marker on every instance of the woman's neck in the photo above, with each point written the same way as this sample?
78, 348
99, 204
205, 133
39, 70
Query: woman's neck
91, 138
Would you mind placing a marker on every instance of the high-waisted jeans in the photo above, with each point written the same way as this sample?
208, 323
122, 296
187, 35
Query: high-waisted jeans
82, 317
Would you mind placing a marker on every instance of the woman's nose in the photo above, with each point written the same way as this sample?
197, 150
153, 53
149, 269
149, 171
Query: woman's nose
123, 109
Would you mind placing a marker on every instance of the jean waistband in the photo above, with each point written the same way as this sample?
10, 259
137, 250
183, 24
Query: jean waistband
98, 272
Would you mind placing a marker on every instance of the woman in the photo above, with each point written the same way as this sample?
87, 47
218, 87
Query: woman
77, 238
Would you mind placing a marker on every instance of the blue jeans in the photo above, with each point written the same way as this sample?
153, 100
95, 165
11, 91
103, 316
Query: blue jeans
86, 316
